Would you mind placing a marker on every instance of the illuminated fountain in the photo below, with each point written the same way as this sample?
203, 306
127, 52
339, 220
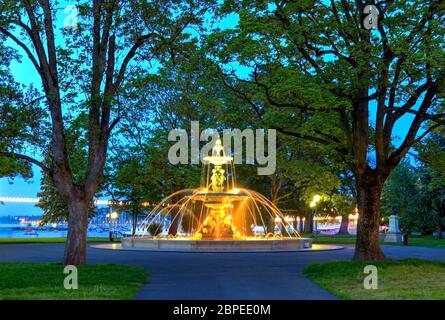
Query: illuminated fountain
216, 216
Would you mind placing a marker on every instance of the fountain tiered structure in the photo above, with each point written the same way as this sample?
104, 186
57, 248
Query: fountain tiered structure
216, 216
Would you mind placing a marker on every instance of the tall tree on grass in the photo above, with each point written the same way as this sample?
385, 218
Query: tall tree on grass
82, 71
317, 72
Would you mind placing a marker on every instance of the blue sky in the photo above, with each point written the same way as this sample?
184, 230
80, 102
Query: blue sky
25, 73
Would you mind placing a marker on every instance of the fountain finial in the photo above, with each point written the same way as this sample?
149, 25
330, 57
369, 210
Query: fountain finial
218, 156
218, 149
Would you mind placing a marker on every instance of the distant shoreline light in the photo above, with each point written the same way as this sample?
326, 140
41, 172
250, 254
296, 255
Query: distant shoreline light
19, 200
36, 200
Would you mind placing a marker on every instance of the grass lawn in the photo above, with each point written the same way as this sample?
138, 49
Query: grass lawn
405, 279
47, 240
45, 281
335, 239
423, 241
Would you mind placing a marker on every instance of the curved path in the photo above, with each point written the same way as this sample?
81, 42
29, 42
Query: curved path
217, 275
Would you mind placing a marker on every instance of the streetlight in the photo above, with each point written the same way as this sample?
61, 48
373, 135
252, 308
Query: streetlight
113, 215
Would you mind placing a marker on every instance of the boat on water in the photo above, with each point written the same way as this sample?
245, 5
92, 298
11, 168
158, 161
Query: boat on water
29, 231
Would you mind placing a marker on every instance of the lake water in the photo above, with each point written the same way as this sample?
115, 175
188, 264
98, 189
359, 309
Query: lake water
8, 232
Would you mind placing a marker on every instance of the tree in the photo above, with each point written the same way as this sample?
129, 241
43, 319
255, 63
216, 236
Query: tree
83, 76
130, 183
416, 192
432, 158
316, 73
20, 118
402, 195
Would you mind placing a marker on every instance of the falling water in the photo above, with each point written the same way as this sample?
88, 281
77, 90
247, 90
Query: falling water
217, 210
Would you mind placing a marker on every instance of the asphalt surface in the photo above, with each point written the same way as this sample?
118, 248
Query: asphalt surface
231, 276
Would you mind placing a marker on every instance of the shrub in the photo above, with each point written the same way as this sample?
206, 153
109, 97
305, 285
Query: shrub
155, 228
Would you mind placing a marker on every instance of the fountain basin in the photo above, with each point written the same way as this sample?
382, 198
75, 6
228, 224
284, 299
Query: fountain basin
216, 245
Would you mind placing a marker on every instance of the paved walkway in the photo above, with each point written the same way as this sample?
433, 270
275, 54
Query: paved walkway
217, 275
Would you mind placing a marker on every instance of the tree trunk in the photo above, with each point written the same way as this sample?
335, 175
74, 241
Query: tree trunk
270, 227
134, 222
405, 239
344, 224
309, 223
440, 229
440, 224
367, 246
174, 224
135, 211
76, 242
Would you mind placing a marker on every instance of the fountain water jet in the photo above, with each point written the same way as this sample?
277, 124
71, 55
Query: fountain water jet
217, 216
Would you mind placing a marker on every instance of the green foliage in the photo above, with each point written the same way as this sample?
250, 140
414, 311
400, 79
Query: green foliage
21, 119
155, 228
416, 193
401, 196
305, 61
10, 168
432, 158
55, 208
52, 204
